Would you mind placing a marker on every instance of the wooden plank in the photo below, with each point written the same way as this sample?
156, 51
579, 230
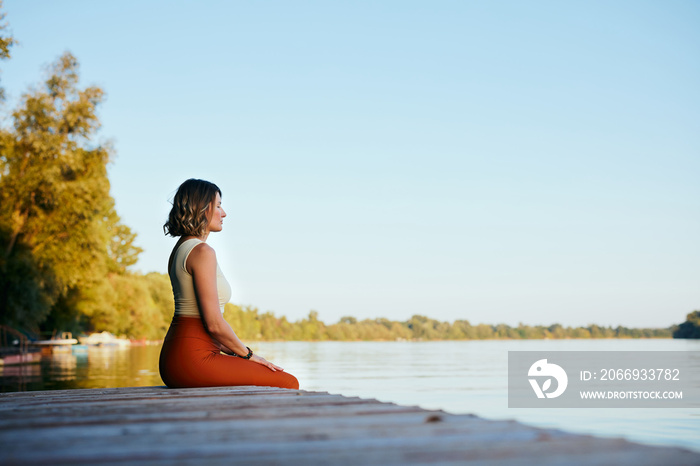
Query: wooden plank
365, 450
67, 405
244, 413
259, 425
86, 394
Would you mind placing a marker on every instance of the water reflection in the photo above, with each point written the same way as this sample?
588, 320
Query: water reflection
62, 366
95, 367
18, 377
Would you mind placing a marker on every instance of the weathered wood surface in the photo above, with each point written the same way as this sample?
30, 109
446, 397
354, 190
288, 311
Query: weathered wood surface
260, 425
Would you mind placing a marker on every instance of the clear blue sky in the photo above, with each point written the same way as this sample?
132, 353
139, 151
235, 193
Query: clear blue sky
532, 162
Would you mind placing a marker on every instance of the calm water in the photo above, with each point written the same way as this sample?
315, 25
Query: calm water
458, 377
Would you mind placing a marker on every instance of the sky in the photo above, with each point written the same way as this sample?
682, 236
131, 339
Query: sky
501, 162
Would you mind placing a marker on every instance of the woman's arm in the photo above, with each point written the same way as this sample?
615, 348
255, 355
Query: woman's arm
201, 264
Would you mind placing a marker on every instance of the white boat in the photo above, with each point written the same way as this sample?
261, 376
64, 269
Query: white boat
104, 339
55, 342
65, 340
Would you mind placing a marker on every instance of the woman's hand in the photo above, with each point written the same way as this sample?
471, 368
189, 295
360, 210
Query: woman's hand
264, 362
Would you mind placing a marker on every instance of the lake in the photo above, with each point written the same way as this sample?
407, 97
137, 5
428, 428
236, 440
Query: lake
455, 376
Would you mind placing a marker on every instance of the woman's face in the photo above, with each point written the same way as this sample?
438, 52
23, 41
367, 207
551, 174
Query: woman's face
216, 223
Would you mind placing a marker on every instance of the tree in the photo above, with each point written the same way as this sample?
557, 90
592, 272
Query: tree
120, 248
690, 328
58, 229
311, 328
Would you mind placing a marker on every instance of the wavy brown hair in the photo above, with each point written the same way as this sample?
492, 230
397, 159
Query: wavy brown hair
191, 206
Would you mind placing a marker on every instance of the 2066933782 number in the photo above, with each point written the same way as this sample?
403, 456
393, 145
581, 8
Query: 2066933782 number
640, 374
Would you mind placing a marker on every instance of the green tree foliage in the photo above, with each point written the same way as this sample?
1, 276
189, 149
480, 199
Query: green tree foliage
61, 240
690, 328
54, 195
138, 306
121, 249
245, 320
250, 324
310, 328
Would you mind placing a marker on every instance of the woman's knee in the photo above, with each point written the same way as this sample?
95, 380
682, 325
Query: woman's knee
290, 381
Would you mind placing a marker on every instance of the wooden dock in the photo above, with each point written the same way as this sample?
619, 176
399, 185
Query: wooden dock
260, 425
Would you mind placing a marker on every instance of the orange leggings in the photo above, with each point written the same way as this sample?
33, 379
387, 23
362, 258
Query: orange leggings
189, 358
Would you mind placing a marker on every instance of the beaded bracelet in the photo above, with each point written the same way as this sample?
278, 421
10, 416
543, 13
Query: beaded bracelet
249, 355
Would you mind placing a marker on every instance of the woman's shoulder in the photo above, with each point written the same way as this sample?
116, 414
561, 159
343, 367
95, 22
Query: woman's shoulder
202, 255
202, 248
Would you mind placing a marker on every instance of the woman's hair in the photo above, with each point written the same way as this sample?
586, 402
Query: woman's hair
191, 206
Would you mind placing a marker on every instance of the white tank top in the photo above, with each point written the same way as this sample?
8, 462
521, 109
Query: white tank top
183, 283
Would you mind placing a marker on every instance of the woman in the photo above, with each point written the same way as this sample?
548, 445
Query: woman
192, 351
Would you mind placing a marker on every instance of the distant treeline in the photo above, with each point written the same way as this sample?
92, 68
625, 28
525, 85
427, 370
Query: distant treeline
141, 306
250, 324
